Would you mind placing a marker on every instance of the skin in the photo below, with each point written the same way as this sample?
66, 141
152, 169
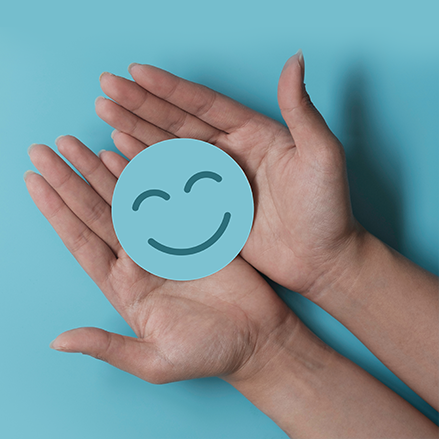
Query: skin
305, 236
293, 242
231, 324
212, 318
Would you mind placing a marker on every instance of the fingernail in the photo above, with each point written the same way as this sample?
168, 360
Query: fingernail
132, 65
113, 133
97, 99
54, 345
100, 152
27, 173
29, 149
300, 56
301, 61
105, 73
57, 139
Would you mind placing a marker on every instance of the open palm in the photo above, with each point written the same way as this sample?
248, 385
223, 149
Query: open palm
303, 217
207, 327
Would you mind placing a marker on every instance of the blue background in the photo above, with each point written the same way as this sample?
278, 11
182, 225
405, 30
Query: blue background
371, 69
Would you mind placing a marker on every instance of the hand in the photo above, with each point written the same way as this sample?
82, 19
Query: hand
303, 219
304, 234
214, 326
230, 324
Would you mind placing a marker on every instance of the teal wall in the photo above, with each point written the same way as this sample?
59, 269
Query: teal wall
371, 69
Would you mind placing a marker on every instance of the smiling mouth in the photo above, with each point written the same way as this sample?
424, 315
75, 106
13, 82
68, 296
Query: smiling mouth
198, 248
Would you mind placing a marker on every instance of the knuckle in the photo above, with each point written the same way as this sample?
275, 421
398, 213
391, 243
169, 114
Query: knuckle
96, 212
213, 138
105, 353
134, 126
201, 108
63, 180
92, 169
141, 102
80, 240
55, 210
178, 123
170, 92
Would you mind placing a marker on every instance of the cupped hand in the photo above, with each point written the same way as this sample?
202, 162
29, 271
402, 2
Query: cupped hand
216, 326
303, 218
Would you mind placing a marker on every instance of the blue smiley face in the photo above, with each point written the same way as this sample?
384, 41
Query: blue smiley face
187, 188
182, 209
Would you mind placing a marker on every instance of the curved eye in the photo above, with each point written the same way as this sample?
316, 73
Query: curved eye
199, 176
149, 193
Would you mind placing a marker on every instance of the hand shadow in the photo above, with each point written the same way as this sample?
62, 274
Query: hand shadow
374, 171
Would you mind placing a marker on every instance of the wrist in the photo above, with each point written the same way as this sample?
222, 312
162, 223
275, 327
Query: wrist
374, 291
310, 391
268, 347
341, 276
280, 377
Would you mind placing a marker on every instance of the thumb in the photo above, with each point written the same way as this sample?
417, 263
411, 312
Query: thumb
306, 124
130, 354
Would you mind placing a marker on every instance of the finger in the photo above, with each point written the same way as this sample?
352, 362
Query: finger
89, 165
127, 122
212, 107
135, 356
306, 125
81, 199
94, 256
114, 162
126, 144
157, 111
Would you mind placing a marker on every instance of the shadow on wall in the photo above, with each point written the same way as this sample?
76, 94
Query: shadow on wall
375, 181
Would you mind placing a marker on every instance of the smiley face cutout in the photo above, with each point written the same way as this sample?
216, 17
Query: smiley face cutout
182, 209
187, 188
